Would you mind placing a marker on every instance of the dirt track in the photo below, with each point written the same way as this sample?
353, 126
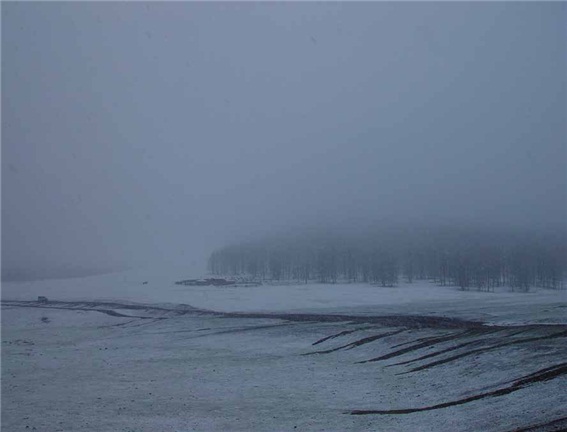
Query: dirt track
152, 311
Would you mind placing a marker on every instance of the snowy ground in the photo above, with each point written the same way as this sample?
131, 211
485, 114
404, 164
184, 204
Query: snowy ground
145, 286
95, 362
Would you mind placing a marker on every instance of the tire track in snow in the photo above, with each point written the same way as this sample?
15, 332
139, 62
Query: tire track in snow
483, 350
343, 333
536, 377
358, 342
407, 321
557, 425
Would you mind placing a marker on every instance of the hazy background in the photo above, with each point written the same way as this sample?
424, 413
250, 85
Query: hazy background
149, 134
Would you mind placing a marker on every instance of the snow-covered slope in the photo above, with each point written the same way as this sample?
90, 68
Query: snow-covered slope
91, 360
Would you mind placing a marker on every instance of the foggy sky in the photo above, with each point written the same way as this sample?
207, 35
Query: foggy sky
136, 133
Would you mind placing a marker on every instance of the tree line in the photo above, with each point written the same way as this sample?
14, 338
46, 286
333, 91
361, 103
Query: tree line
470, 259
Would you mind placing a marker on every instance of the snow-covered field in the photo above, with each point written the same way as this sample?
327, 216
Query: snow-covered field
157, 287
92, 360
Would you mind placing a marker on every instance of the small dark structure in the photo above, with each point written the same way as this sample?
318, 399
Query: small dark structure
42, 299
206, 282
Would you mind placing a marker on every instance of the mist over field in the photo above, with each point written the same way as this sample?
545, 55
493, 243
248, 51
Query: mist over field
148, 134
277, 216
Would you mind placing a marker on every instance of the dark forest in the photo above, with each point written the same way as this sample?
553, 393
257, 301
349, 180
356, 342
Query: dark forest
471, 259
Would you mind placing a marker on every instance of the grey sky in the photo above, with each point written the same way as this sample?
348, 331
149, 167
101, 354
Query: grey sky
146, 132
